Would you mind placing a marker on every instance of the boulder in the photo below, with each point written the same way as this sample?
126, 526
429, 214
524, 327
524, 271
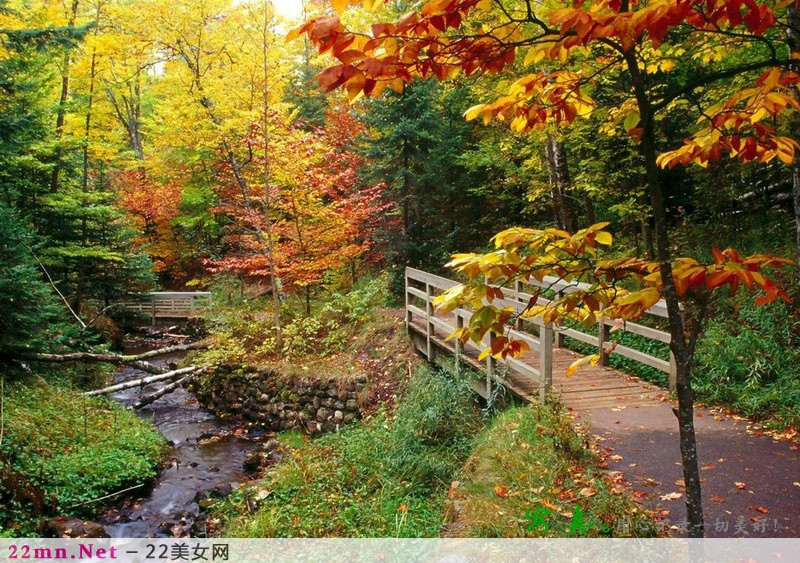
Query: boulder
63, 527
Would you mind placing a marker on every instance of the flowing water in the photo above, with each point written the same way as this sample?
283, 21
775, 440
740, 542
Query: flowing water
203, 455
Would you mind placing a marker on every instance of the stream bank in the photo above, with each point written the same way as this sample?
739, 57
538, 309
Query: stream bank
204, 459
221, 431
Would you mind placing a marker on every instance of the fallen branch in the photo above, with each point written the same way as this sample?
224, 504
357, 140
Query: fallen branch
117, 358
169, 388
142, 382
106, 496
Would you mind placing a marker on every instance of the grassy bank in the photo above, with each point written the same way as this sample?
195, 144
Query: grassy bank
386, 476
60, 450
530, 474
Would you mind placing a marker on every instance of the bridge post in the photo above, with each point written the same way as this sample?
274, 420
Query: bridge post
459, 325
153, 304
490, 364
429, 328
545, 359
558, 342
602, 338
517, 290
409, 314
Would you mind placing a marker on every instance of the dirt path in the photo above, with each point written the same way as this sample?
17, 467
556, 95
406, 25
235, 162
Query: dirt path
751, 481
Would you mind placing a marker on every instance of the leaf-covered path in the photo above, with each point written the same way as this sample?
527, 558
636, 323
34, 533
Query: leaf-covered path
750, 479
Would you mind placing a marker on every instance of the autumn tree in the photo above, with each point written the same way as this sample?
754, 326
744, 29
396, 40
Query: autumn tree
655, 56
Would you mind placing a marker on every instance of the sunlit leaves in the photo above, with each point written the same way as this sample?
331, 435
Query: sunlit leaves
737, 126
590, 287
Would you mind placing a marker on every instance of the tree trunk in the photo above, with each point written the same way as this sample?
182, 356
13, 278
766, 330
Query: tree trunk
168, 388
647, 239
62, 105
142, 382
276, 298
793, 38
559, 182
678, 345
117, 358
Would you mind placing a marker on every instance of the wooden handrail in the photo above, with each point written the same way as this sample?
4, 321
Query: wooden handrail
518, 300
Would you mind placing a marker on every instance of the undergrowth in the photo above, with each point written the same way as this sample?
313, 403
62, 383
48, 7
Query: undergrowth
245, 333
386, 476
749, 359
531, 475
60, 450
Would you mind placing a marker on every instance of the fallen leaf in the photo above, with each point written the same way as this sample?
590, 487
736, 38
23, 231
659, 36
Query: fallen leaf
548, 504
501, 491
718, 500
587, 492
707, 467
651, 482
680, 483
453, 486
671, 496
615, 457
796, 483
740, 485
762, 509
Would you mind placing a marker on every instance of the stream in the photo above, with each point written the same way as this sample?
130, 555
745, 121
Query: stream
205, 458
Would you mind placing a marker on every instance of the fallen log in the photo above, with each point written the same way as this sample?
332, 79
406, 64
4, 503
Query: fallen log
143, 381
169, 388
117, 358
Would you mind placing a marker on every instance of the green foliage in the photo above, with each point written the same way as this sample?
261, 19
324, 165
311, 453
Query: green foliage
72, 448
431, 159
31, 315
751, 361
531, 458
385, 477
245, 333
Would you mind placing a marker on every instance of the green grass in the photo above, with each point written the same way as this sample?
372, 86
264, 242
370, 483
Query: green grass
70, 449
531, 462
386, 476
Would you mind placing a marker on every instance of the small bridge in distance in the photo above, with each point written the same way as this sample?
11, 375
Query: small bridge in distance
168, 304
544, 365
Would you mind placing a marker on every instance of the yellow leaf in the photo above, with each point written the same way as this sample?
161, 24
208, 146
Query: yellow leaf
340, 5
577, 364
631, 120
474, 112
604, 237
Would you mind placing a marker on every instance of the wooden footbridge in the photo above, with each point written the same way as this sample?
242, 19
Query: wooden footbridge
168, 304
544, 365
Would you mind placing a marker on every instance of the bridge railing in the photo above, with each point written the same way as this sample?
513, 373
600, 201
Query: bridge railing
423, 287
659, 310
168, 304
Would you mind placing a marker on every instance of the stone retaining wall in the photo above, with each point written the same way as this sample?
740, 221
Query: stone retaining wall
261, 396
